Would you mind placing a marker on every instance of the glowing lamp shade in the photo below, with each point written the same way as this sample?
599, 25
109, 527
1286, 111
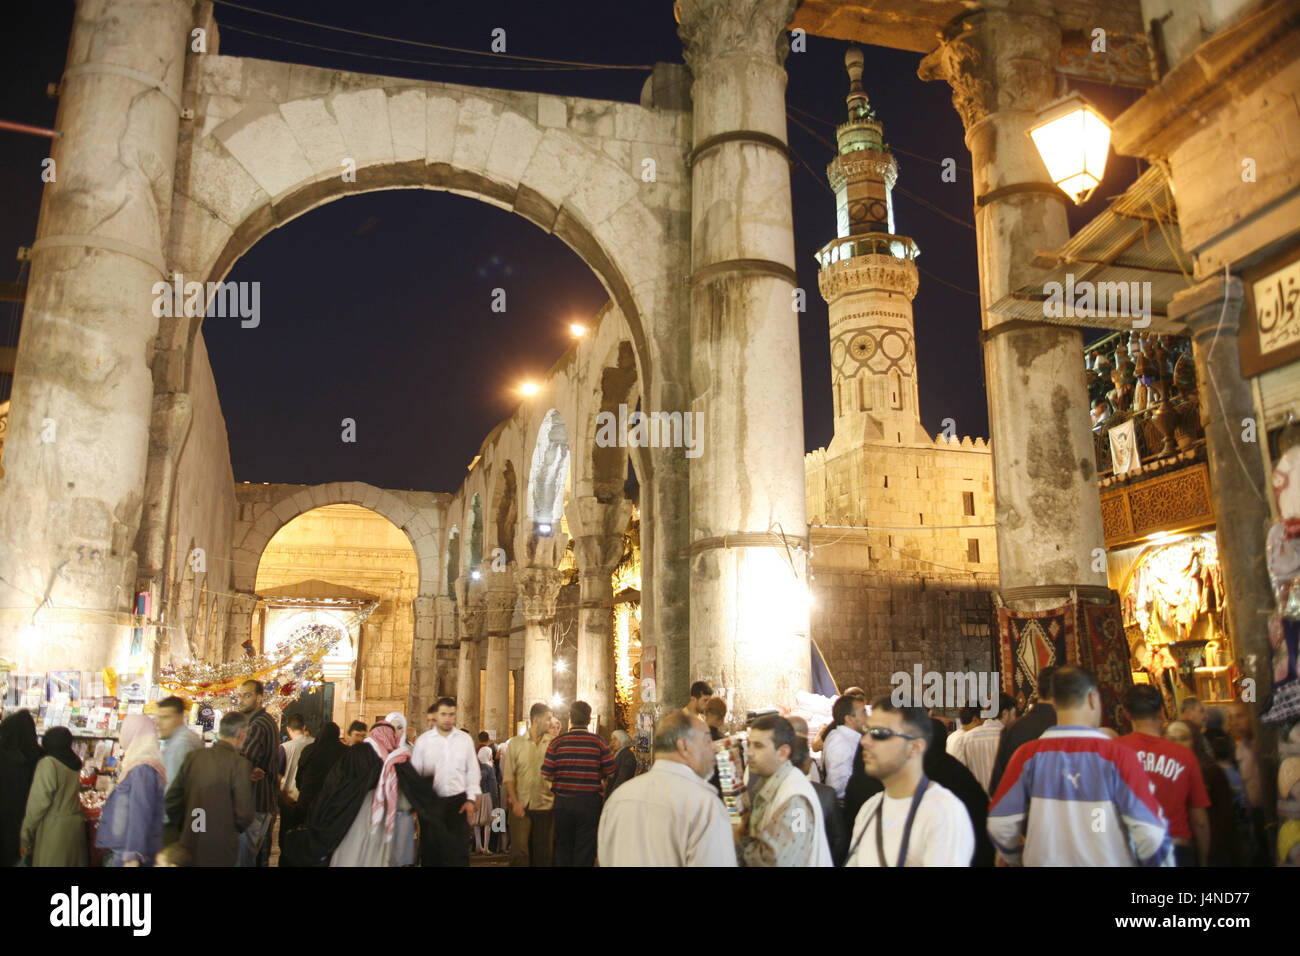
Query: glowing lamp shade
1073, 140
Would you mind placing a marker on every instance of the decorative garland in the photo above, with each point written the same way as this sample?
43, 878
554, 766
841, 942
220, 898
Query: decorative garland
294, 669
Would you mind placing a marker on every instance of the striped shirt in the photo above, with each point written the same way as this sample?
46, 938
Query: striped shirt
261, 747
1078, 798
575, 763
979, 750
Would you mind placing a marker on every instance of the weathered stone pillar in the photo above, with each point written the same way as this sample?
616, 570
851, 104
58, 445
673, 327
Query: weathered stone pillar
598, 550
749, 593
240, 624
1001, 67
1240, 488
538, 590
469, 599
501, 600
424, 658
447, 640
78, 432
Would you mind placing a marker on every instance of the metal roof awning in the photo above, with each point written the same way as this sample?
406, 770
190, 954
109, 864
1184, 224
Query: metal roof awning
1126, 262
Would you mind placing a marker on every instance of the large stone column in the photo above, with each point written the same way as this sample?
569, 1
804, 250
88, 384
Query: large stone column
501, 600
748, 589
78, 432
1240, 488
469, 598
538, 589
1001, 67
424, 658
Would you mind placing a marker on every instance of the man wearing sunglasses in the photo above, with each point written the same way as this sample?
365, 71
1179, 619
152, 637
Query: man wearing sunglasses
914, 822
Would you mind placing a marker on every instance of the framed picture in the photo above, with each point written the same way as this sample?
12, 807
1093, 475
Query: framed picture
1270, 318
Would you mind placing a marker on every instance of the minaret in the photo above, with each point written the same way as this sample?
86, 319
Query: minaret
868, 279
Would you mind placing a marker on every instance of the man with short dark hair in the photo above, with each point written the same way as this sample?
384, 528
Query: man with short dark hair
260, 748
669, 816
848, 715
1030, 726
1092, 802
532, 803
210, 802
175, 740
1175, 773
715, 712
980, 744
287, 765
576, 762
446, 754
913, 821
785, 826
701, 692
356, 733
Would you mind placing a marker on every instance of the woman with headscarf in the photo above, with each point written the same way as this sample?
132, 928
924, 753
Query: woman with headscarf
53, 830
19, 753
371, 840
131, 823
487, 801
398, 720
404, 839
315, 763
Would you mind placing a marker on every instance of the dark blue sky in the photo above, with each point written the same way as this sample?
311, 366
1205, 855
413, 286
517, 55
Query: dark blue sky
377, 307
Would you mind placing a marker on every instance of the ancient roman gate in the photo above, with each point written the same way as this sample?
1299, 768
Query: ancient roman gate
174, 161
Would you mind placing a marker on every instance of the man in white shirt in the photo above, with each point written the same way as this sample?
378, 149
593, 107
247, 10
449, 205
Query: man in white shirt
670, 815
979, 749
968, 718
914, 821
447, 755
849, 715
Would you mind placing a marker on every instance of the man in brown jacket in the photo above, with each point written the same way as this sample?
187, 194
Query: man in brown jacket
211, 800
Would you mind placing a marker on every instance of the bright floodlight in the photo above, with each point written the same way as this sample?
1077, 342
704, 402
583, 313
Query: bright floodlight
577, 329
543, 529
475, 575
529, 388
1073, 140
560, 665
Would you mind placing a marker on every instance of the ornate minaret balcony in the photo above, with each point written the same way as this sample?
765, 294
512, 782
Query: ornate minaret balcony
868, 262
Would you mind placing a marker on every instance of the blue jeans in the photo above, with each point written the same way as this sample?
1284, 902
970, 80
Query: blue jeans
255, 842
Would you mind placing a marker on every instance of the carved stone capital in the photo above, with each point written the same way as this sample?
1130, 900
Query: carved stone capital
996, 60
471, 622
538, 590
501, 596
712, 29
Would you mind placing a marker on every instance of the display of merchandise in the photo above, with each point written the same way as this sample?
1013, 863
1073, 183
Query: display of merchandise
729, 757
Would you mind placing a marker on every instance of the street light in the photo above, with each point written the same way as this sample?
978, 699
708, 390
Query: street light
1072, 138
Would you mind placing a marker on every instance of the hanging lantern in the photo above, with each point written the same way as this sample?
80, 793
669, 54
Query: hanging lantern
1073, 139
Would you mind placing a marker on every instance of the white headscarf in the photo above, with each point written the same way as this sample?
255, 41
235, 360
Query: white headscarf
398, 720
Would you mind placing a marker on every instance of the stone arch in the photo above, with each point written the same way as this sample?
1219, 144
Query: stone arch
290, 501
453, 559
549, 471
505, 511
617, 386
475, 531
272, 138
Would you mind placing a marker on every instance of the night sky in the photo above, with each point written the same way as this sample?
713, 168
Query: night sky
378, 307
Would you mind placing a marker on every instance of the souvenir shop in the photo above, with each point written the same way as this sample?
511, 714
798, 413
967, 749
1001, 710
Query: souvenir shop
1173, 601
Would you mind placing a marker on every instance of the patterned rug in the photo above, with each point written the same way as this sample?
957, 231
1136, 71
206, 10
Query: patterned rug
1030, 641
1107, 649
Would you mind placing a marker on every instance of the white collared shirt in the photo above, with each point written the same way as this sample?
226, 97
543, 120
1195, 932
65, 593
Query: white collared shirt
979, 750
668, 816
450, 760
838, 753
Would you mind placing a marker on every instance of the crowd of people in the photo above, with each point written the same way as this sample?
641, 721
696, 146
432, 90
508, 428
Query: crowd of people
892, 788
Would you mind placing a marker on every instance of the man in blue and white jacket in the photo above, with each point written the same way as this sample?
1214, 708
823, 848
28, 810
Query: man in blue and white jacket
1092, 802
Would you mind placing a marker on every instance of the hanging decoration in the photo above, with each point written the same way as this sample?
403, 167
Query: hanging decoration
293, 669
